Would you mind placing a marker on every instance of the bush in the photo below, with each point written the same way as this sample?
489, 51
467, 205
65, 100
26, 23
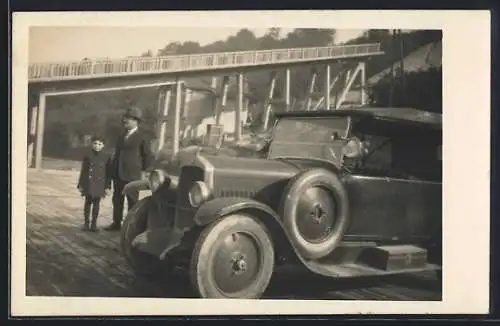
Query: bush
421, 90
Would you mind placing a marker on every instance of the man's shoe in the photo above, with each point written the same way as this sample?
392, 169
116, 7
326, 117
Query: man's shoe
113, 227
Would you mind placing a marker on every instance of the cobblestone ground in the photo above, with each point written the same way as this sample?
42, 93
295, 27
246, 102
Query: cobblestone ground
64, 261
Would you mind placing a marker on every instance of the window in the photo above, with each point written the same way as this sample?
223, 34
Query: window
308, 138
379, 155
398, 150
418, 157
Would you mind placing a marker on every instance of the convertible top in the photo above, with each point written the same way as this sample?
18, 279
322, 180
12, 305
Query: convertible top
401, 115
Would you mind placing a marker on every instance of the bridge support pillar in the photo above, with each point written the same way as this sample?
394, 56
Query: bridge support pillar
32, 119
40, 128
267, 104
364, 97
310, 91
215, 99
188, 131
222, 99
327, 87
351, 77
239, 108
328, 91
177, 118
164, 96
287, 89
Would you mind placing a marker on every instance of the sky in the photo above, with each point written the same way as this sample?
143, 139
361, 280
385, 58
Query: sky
52, 44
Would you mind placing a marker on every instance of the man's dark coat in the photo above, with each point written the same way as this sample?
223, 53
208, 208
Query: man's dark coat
132, 156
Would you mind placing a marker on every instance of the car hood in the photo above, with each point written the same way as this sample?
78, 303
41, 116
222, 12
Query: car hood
260, 179
240, 166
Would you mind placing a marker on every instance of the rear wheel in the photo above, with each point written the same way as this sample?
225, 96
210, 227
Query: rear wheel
232, 258
135, 223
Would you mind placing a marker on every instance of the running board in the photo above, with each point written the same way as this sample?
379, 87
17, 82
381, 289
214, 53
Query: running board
369, 260
356, 270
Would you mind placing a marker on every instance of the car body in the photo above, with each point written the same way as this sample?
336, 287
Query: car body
343, 193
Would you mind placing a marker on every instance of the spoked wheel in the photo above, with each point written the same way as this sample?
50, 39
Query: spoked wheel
134, 224
233, 258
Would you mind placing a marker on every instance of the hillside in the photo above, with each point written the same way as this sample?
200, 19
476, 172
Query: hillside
424, 59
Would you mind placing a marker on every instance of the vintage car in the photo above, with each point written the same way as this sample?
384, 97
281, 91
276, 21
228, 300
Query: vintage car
344, 193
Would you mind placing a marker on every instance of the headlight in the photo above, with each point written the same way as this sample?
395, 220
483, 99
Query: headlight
354, 148
198, 193
156, 179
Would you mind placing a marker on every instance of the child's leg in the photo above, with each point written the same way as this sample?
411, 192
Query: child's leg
96, 202
86, 211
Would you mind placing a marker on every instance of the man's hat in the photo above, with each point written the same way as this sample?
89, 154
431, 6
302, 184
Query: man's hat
134, 113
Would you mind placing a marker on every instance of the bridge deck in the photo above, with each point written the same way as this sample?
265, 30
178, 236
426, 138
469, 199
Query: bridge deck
59, 71
64, 261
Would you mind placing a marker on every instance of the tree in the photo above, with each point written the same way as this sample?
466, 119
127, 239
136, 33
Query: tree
170, 49
189, 48
309, 37
274, 33
243, 40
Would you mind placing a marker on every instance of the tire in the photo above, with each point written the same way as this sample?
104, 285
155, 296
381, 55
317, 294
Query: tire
134, 223
315, 212
244, 273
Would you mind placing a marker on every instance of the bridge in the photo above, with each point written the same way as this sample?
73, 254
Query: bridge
167, 73
59, 71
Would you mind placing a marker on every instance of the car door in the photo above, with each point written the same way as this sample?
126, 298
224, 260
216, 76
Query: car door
391, 199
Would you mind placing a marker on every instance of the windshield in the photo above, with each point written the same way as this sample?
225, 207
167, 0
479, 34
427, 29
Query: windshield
308, 137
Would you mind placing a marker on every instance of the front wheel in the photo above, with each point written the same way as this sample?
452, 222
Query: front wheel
233, 258
135, 223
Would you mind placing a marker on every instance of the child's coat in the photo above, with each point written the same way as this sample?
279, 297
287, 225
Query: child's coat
94, 174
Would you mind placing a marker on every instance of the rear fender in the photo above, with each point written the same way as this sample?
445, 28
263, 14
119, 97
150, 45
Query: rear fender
220, 207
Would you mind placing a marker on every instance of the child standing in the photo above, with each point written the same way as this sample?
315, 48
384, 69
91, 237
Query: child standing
94, 182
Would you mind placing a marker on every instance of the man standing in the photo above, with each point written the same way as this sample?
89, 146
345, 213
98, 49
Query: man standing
131, 159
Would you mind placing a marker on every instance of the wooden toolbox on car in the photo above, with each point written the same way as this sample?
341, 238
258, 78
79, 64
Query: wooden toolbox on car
395, 257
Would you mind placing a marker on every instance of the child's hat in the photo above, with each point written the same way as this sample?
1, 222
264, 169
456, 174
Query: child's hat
98, 138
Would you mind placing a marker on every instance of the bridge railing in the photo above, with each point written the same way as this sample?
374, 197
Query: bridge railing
193, 62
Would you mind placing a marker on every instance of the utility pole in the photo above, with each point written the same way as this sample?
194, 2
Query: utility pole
392, 53
402, 56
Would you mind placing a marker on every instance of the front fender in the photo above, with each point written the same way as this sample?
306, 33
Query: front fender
143, 185
220, 207
137, 185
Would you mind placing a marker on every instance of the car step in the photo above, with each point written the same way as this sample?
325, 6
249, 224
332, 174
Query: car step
352, 261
